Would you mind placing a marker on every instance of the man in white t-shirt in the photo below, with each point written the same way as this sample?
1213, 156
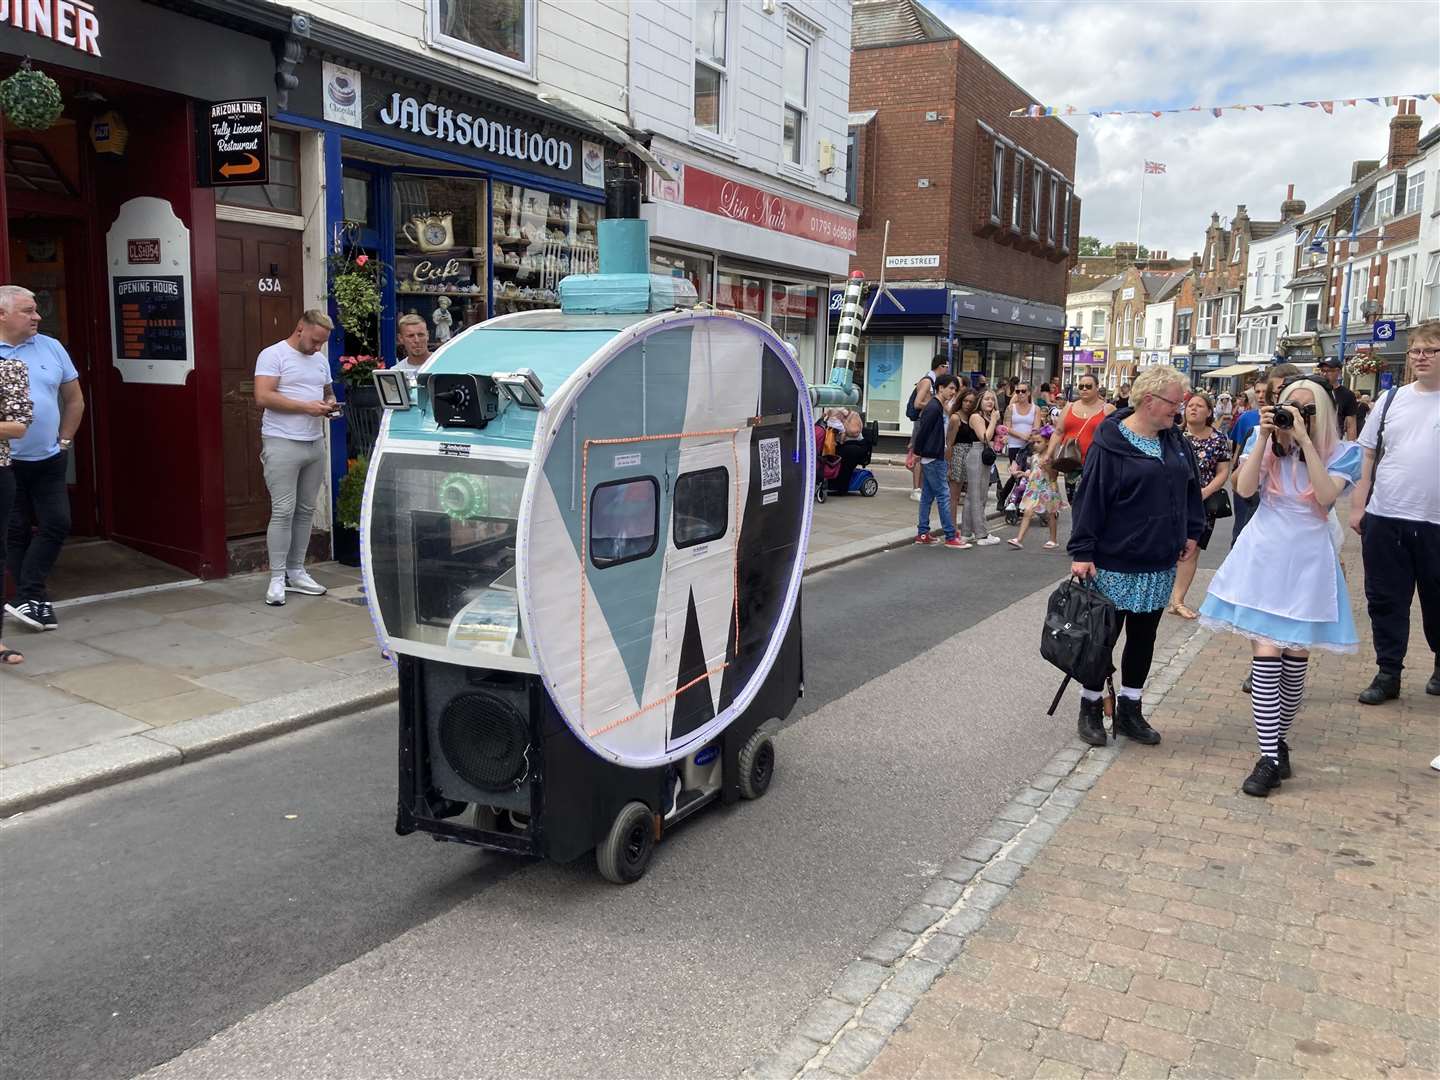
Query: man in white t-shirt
292, 384
1400, 528
414, 338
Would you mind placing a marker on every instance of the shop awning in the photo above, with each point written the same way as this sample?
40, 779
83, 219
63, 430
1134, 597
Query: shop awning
1228, 372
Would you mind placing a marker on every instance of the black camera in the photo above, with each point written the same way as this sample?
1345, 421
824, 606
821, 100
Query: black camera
1285, 419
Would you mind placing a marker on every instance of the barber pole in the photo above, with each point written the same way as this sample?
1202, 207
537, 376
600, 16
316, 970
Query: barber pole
841, 389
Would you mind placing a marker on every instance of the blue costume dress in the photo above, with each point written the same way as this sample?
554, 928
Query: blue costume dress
1281, 583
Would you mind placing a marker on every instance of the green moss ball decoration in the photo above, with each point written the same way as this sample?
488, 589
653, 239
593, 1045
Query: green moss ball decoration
31, 100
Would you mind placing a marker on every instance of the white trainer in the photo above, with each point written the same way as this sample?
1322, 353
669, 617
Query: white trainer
301, 582
987, 541
275, 594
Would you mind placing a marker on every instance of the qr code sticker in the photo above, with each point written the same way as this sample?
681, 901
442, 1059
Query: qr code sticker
769, 464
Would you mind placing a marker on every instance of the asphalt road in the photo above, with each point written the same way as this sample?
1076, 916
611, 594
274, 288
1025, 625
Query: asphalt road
263, 895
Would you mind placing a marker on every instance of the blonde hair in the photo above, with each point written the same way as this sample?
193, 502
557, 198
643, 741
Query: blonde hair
1154, 380
1426, 331
316, 317
1324, 434
410, 320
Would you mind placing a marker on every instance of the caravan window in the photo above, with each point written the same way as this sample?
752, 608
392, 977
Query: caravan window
702, 506
624, 521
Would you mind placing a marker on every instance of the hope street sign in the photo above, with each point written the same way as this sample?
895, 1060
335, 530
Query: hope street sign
237, 143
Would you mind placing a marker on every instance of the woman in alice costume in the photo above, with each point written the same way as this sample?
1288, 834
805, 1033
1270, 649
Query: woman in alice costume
1281, 584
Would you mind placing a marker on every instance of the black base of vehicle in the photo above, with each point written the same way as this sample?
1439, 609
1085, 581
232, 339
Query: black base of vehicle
486, 760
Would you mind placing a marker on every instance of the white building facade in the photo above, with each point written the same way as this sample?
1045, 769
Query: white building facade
1269, 267
748, 106
1088, 311
1154, 345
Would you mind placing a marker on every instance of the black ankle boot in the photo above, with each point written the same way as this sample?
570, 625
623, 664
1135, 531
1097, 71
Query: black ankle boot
1284, 755
1091, 727
1129, 722
1433, 686
1263, 779
1382, 688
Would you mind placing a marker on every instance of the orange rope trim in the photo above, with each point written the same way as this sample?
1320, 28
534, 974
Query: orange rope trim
585, 557
661, 701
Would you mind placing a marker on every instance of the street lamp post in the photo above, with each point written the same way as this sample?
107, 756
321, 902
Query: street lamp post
1349, 270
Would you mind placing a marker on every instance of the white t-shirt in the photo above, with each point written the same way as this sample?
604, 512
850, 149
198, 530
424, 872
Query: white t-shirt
1407, 483
302, 378
410, 370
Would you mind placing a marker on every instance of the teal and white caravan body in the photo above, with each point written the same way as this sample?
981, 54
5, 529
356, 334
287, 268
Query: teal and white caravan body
583, 540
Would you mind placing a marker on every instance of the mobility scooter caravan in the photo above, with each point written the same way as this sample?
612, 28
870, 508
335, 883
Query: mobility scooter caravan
583, 538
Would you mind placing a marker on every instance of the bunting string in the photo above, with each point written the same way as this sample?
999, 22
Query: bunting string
1033, 111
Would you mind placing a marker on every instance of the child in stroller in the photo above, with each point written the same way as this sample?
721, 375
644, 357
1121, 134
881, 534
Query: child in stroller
843, 446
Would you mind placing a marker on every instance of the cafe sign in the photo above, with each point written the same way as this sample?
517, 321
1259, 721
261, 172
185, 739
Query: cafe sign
238, 143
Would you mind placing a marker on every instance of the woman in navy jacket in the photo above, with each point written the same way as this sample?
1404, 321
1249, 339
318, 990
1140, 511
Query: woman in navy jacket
1137, 511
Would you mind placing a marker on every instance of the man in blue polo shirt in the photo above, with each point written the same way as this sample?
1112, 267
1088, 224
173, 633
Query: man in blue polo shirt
39, 459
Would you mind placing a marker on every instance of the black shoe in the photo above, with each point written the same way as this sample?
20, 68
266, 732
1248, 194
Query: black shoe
1284, 756
1381, 689
1091, 726
32, 613
1433, 686
1245, 686
1263, 779
1130, 723
47, 617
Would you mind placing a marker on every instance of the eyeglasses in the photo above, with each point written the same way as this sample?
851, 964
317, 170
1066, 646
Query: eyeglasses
1426, 353
1022, 390
1087, 386
1172, 404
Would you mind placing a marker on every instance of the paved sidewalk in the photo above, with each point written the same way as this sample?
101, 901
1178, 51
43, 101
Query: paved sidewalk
1133, 914
139, 683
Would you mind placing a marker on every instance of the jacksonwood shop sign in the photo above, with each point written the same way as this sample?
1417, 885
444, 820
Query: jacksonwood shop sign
462, 129
465, 125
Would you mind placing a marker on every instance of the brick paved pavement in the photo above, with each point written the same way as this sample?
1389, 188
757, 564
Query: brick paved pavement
1170, 926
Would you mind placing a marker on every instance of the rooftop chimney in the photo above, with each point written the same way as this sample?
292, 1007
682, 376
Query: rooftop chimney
1365, 168
1404, 136
1195, 263
1291, 207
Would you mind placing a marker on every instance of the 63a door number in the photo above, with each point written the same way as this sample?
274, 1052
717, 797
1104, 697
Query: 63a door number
269, 285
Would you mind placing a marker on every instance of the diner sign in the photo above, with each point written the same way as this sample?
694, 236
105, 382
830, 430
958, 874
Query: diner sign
766, 210
238, 141
66, 22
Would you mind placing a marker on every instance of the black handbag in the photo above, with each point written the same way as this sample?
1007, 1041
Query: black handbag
1081, 624
1217, 505
987, 456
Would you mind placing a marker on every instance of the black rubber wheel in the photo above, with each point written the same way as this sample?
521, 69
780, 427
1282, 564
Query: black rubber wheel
756, 765
820, 492
870, 487
625, 854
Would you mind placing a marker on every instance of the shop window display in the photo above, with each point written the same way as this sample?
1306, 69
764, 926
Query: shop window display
537, 239
440, 252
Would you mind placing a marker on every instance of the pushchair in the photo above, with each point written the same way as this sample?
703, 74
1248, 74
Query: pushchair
1015, 501
853, 454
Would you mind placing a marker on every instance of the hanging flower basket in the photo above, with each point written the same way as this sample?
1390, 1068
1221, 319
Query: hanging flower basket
30, 99
1365, 364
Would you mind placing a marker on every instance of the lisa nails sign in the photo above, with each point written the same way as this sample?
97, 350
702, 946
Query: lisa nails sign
238, 140
765, 209
65, 22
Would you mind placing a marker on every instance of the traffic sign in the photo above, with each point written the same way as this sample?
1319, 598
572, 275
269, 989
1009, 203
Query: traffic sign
1384, 330
1074, 338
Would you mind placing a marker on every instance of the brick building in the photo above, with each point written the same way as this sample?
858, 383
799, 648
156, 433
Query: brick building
981, 208
1136, 290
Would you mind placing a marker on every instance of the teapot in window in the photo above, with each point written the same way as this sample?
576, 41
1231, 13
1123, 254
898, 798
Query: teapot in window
430, 232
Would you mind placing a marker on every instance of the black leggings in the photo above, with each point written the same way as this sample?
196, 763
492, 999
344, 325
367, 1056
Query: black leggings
1140, 628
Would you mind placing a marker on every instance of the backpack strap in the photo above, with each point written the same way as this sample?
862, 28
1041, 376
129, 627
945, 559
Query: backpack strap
1380, 442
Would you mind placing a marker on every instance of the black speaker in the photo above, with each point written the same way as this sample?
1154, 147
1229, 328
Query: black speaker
482, 741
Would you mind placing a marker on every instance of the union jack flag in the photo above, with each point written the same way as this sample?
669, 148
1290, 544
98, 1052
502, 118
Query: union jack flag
1154, 166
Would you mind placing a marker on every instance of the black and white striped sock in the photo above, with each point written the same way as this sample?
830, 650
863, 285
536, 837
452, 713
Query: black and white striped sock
1265, 703
1292, 689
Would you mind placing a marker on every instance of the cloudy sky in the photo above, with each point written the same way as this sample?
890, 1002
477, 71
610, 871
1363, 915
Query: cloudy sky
1162, 55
